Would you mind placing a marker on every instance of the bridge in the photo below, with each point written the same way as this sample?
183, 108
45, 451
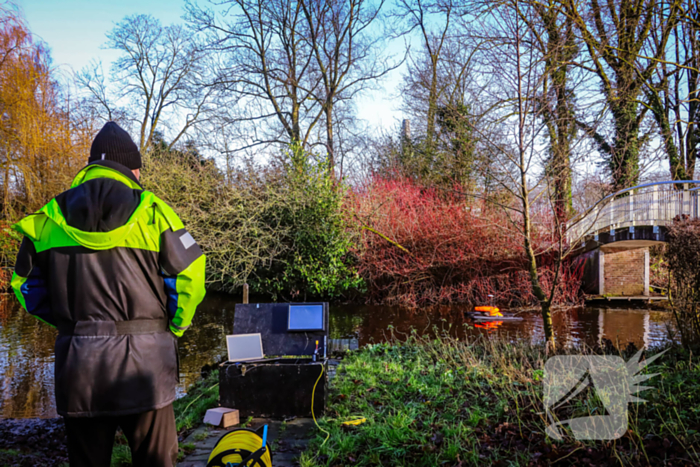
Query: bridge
614, 235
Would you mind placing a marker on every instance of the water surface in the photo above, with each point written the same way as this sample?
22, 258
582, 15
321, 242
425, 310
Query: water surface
26, 345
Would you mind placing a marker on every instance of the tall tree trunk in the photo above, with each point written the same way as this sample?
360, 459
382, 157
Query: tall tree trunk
432, 104
525, 200
626, 41
295, 127
692, 140
561, 122
624, 163
329, 137
545, 302
561, 160
660, 113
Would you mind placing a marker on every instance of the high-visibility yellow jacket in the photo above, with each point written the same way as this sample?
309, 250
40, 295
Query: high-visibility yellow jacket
113, 268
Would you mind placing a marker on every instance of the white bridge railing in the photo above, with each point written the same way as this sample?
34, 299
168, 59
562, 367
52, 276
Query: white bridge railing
652, 204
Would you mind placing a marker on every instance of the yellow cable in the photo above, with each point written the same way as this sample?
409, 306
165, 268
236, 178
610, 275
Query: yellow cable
356, 421
243, 440
313, 394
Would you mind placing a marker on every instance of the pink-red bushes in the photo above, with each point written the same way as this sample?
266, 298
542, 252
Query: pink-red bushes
456, 249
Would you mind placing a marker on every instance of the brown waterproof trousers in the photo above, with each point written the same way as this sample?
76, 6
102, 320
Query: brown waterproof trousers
152, 438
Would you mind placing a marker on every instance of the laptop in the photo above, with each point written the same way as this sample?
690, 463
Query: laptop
244, 347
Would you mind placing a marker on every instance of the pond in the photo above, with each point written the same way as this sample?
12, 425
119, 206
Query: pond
26, 345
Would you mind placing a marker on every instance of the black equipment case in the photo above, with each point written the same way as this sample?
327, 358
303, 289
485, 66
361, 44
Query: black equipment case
282, 384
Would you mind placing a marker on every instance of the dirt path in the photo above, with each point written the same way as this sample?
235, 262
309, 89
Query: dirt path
33, 442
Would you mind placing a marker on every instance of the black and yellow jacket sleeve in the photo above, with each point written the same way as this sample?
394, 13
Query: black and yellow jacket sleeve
182, 263
29, 283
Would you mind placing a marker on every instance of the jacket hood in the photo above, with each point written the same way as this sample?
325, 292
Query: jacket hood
100, 200
99, 210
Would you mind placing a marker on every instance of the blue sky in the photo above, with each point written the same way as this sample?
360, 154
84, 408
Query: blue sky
75, 31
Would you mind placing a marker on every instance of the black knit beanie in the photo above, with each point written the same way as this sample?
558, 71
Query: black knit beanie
112, 143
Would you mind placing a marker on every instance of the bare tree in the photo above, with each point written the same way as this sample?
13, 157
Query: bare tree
520, 60
434, 21
672, 93
440, 95
617, 36
292, 66
161, 72
265, 60
521, 72
347, 57
553, 35
96, 95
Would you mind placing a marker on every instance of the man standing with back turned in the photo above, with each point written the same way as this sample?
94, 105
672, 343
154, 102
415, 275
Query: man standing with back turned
112, 267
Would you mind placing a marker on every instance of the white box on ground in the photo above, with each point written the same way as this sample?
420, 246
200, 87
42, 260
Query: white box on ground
222, 417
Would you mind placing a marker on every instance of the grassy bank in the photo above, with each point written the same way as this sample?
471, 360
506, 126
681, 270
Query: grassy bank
190, 409
449, 402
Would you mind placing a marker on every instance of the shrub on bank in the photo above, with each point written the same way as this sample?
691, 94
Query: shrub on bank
451, 250
293, 231
282, 229
226, 218
683, 255
190, 410
314, 228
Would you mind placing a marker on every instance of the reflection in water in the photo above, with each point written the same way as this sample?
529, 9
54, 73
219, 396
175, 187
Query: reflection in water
26, 364
26, 345
488, 325
573, 327
204, 342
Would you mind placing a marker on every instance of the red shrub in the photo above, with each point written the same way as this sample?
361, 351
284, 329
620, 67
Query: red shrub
458, 250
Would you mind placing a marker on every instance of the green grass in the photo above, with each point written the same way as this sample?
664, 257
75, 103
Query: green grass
185, 450
121, 455
7, 456
449, 402
203, 395
190, 410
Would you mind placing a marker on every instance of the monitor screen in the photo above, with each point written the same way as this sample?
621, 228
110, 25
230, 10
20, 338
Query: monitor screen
305, 318
244, 347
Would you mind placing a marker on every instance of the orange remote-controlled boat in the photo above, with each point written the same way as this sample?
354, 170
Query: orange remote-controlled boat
491, 313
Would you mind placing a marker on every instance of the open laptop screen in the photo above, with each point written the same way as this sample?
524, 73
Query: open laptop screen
244, 347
